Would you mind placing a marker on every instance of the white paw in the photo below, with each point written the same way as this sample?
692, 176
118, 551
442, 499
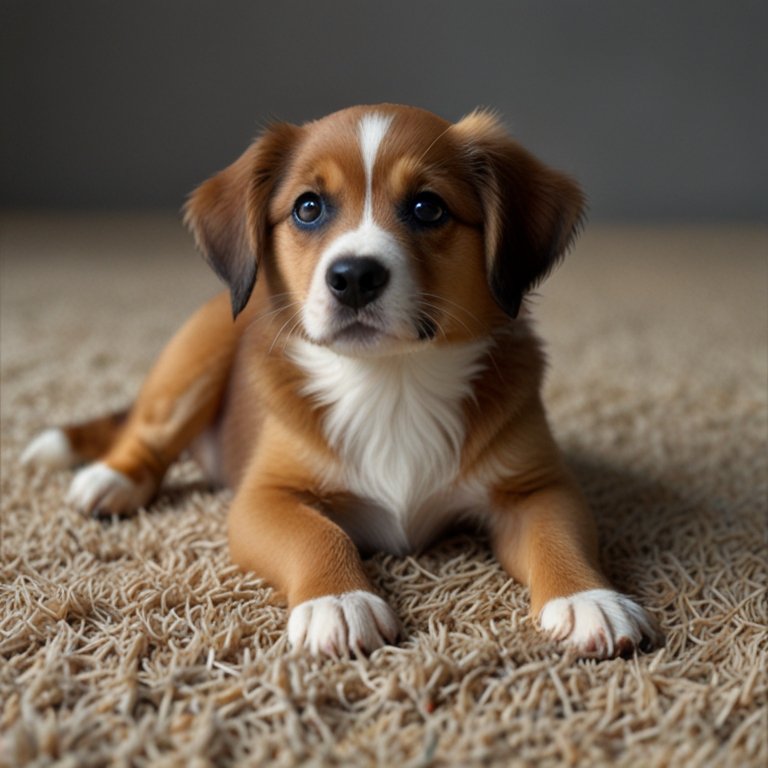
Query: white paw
598, 623
52, 449
102, 490
338, 625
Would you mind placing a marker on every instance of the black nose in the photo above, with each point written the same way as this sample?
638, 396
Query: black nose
357, 280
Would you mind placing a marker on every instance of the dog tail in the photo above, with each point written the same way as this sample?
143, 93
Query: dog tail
73, 444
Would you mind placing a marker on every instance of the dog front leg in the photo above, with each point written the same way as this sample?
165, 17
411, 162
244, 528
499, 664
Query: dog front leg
547, 539
313, 562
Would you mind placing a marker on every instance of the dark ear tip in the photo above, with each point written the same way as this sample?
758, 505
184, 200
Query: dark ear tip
241, 291
509, 300
512, 308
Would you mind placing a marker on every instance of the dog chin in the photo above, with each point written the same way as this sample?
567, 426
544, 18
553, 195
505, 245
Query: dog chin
363, 340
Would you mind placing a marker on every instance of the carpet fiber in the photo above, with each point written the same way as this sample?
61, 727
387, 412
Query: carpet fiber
136, 642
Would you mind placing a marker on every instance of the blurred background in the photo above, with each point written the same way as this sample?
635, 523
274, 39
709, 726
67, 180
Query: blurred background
656, 330
659, 108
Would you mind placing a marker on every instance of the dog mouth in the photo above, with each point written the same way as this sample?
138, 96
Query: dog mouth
363, 337
367, 334
358, 333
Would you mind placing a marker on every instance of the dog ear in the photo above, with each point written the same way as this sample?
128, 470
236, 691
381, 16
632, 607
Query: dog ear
531, 212
228, 213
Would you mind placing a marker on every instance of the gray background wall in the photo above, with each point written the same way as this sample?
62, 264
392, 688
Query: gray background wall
660, 108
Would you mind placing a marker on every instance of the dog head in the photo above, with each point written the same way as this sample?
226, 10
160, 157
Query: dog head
379, 228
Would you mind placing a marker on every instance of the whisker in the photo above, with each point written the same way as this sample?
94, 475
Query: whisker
452, 303
282, 328
451, 316
291, 330
437, 324
264, 315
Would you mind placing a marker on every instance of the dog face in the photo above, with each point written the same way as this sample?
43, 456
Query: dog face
383, 228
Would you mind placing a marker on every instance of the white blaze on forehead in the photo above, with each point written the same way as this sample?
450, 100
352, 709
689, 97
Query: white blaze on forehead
371, 131
394, 310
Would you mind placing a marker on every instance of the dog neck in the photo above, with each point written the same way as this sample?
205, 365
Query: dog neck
396, 422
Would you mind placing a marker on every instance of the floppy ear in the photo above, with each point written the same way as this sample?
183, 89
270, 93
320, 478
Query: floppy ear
531, 212
228, 213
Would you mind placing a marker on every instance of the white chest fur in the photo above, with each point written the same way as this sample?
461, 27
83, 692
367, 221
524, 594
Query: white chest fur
397, 424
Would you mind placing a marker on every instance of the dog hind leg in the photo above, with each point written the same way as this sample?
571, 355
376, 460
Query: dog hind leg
73, 444
179, 398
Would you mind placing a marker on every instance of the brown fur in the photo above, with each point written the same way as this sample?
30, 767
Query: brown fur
513, 219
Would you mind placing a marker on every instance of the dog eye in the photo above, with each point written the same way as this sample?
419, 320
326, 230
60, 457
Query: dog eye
308, 208
428, 208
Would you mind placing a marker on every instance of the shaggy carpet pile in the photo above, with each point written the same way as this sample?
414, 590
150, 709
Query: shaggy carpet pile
135, 642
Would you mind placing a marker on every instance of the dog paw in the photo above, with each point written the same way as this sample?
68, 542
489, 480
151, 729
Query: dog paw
340, 625
98, 489
599, 623
52, 449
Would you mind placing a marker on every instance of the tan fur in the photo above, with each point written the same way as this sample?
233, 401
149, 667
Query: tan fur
90, 440
235, 381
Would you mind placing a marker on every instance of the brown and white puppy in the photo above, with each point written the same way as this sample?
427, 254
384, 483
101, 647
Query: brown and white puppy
379, 381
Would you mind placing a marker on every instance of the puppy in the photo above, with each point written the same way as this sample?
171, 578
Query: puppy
379, 380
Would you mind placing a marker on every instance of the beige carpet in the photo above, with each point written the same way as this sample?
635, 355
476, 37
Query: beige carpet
135, 641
